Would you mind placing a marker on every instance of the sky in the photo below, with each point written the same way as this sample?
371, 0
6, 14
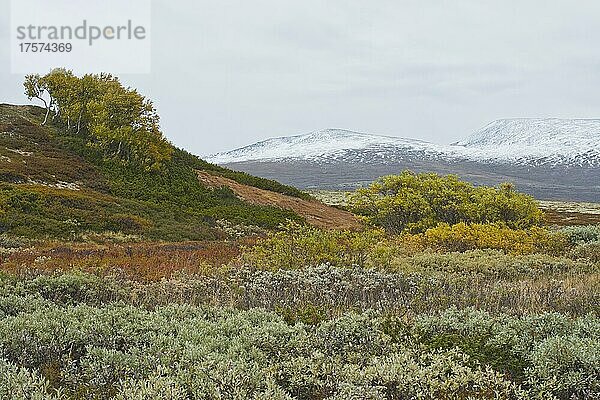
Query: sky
227, 73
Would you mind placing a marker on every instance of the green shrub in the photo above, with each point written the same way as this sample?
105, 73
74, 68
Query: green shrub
590, 251
157, 386
582, 234
308, 314
415, 202
492, 264
127, 223
296, 246
555, 356
7, 242
198, 352
17, 383
566, 366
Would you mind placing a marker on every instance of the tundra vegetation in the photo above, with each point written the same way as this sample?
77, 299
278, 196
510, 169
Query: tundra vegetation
459, 311
450, 291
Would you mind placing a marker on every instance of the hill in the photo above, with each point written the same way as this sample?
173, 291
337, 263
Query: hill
550, 141
54, 185
315, 212
548, 158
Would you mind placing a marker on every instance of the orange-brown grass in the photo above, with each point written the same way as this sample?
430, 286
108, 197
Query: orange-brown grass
145, 262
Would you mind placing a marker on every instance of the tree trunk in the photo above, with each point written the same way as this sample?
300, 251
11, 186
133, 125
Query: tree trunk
46, 116
79, 121
47, 106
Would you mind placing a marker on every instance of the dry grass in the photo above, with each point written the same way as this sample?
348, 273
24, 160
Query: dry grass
145, 262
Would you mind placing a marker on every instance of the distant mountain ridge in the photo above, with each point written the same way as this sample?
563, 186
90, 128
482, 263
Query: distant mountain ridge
550, 158
319, 145
522, 141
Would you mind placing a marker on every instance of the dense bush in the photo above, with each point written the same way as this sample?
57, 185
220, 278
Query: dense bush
586, 241
18, 383
556, 356
463, 237
297, 246
36, 211
590, 251
415, 202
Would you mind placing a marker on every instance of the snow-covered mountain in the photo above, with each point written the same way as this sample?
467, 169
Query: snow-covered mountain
519, 141
332, 144
537, 141
549, 158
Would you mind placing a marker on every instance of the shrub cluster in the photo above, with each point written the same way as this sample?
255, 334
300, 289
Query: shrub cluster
183, 352
582, 234
462, 237
586, 241
484, 279
415, 202
296, 246
39, 212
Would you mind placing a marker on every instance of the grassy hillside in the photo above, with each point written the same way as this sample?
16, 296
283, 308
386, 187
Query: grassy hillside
53, 185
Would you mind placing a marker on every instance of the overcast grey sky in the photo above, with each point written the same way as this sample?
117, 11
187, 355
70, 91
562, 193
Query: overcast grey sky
228, 73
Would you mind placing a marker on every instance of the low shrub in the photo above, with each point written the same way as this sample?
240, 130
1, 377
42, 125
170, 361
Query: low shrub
582, 234
492, 264
488, 280
589, 251
296, 246
178, 352
462, 237
413, 203
20, 384
127, 223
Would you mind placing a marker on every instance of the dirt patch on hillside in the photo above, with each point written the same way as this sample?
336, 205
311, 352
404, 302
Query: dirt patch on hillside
315, 212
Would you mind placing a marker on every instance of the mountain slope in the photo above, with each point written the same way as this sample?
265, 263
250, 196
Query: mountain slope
537, 141
324, 144
549, 158
315, 212
53, 185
